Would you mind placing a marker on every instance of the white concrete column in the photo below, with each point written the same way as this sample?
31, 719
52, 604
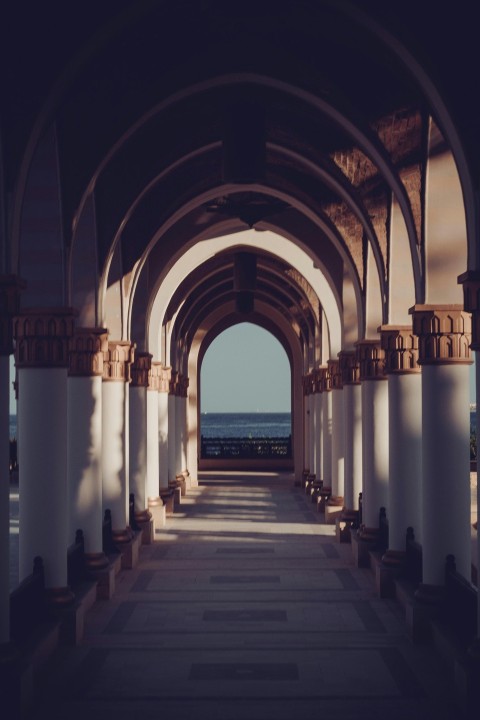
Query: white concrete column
326, 458
375, 449
352, 404
172, 425
140, 371
153, 456
317, 409
306, 423
405, 434
84, 449
338, 432
115, 453
163, 435
444, 334
42, 357
183, 407
178, 430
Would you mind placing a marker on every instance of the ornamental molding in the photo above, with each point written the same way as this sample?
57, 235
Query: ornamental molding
140, 369
471, 303
117, 361
10, 289
400, 345
349, 367
444, 334
42, 337
371, 360
165, 379
324, 378
87, 347
335, 374
154, 376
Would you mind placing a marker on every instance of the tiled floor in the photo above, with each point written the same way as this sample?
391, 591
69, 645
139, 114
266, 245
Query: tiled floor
246, 608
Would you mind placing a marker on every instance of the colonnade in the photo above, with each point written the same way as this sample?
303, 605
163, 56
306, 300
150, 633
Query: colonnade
400, 433
95, 419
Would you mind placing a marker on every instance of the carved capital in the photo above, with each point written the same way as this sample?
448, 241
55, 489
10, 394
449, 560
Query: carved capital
154, 376
335, 374
471, 303
371, 359
349, 367
444, 334
117, 361
317, 380
140, 369
172, 390
400, 345
165, 379
42, 337
87, 347
10, 288
324, 379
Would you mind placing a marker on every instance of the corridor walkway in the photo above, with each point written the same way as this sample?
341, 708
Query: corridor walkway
246, 608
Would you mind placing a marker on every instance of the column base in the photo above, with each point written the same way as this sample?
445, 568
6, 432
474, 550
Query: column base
333, 509
95, 562
129, 551
305, 474
364, 541
188, 480
168, 497
58, 598
425, 607
387, 568
158, 512
180, 481
309, 481
344, 525
145, 523
322, 498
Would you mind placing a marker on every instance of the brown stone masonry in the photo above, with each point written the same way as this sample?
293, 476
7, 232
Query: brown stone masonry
371, 359
444, 333
87, 348
117, 361
43, 337
400, 345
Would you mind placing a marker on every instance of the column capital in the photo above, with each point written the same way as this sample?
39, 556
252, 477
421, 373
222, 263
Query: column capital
323, 379
335, 374
444, 334
86, 352
10, 288
165, 379
307, 383
371, 359
317, 380
154, 376
117, 361
140, 369
43, 336
471, 303
349, 367
400, 345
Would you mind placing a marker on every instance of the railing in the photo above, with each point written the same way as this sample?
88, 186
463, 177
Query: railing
267, 448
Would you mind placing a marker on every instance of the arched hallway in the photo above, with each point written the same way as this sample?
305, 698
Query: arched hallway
246, 607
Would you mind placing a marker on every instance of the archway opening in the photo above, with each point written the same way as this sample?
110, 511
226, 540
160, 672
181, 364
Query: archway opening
245, 397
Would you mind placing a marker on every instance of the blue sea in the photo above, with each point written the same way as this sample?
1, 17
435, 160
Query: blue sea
255, 425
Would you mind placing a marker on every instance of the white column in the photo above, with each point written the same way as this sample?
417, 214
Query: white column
405, 434
115, 453
183, 408
306, 423
84, 449
326, 428
153, 456
178, 433
375, 449
317, 409
172, 422
138, 432
42, 358
163, 436
4, 498
444, 354
338, 431
352, 405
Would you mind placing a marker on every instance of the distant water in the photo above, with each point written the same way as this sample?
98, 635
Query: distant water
13, 427
255, 425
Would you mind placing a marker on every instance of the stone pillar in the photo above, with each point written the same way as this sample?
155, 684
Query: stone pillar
115, 455
42, 344
306, 384
317, 409
444, 334
155, 503
326, 456
352, 397
338, 434
172, 440
371, 359
163, 435
140, 371
84, 456
10, 288
471, 294
405, 436
182, 428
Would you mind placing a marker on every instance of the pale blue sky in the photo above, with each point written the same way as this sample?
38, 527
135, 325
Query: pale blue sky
245, 369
